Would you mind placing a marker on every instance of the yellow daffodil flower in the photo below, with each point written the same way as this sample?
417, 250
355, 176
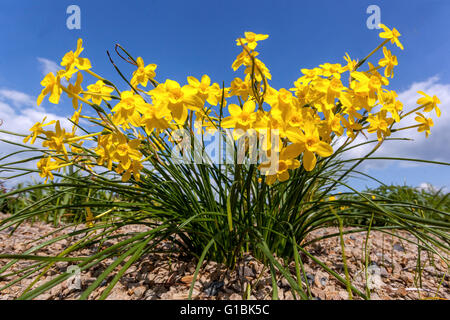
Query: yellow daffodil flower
98, 92
52, 87
240, 118
425, 124
72, 60
380, 124
391, 35
36, 130
143, 73
286, 162
429, 103
75, 90
389, 61
126, 111
309, 142
251, 39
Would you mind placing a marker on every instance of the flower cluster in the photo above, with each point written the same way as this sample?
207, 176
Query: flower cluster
326, 102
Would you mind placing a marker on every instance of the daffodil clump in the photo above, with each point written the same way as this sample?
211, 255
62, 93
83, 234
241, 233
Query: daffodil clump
219, 170
330, 101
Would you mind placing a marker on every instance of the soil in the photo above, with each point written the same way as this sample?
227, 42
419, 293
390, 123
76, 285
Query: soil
391, 273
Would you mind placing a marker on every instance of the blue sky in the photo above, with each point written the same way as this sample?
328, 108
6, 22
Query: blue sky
196, 37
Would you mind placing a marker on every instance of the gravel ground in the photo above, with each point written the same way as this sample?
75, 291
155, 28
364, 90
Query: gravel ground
392, 271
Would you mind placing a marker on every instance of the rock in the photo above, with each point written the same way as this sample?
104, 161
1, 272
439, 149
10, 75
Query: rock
407, 278
310, 278
139, 291
374, 269
183, 295
374, 296
235, 296
383, 272
213, 288
321, 279
332, 295
284, 283
44, 296
398, 247
247, 273
375, 282
187, 279
343, 294
262, 294
401, 292
288, 295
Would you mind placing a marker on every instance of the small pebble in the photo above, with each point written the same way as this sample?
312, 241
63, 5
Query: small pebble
399, 247
213, 288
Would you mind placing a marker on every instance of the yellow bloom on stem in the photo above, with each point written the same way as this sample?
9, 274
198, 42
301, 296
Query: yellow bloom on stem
104, 150
334, 123
207, 92
390, 104
240, 118
389, 61
143, 73
244, 58
134, 169
251, 39
126, 151
309, 142
72, 60
56, 140
126, 111
177, 99
75, 90
429, 103
380, 124
281, 101
391, 35
425, 124
76, 116
351, 64
308, 76
36, 130
98, 92
369, 85
350, 125
154, 118
241, 88
46, 166
286, 162
259, 70
52, 87
294, 119
334, 90
332, 69
75, 149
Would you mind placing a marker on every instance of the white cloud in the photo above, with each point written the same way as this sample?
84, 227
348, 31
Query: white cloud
48, 66
431, 188
435, 147
18, 113
17, 98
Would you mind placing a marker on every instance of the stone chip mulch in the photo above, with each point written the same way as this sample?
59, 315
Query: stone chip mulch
392, 271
